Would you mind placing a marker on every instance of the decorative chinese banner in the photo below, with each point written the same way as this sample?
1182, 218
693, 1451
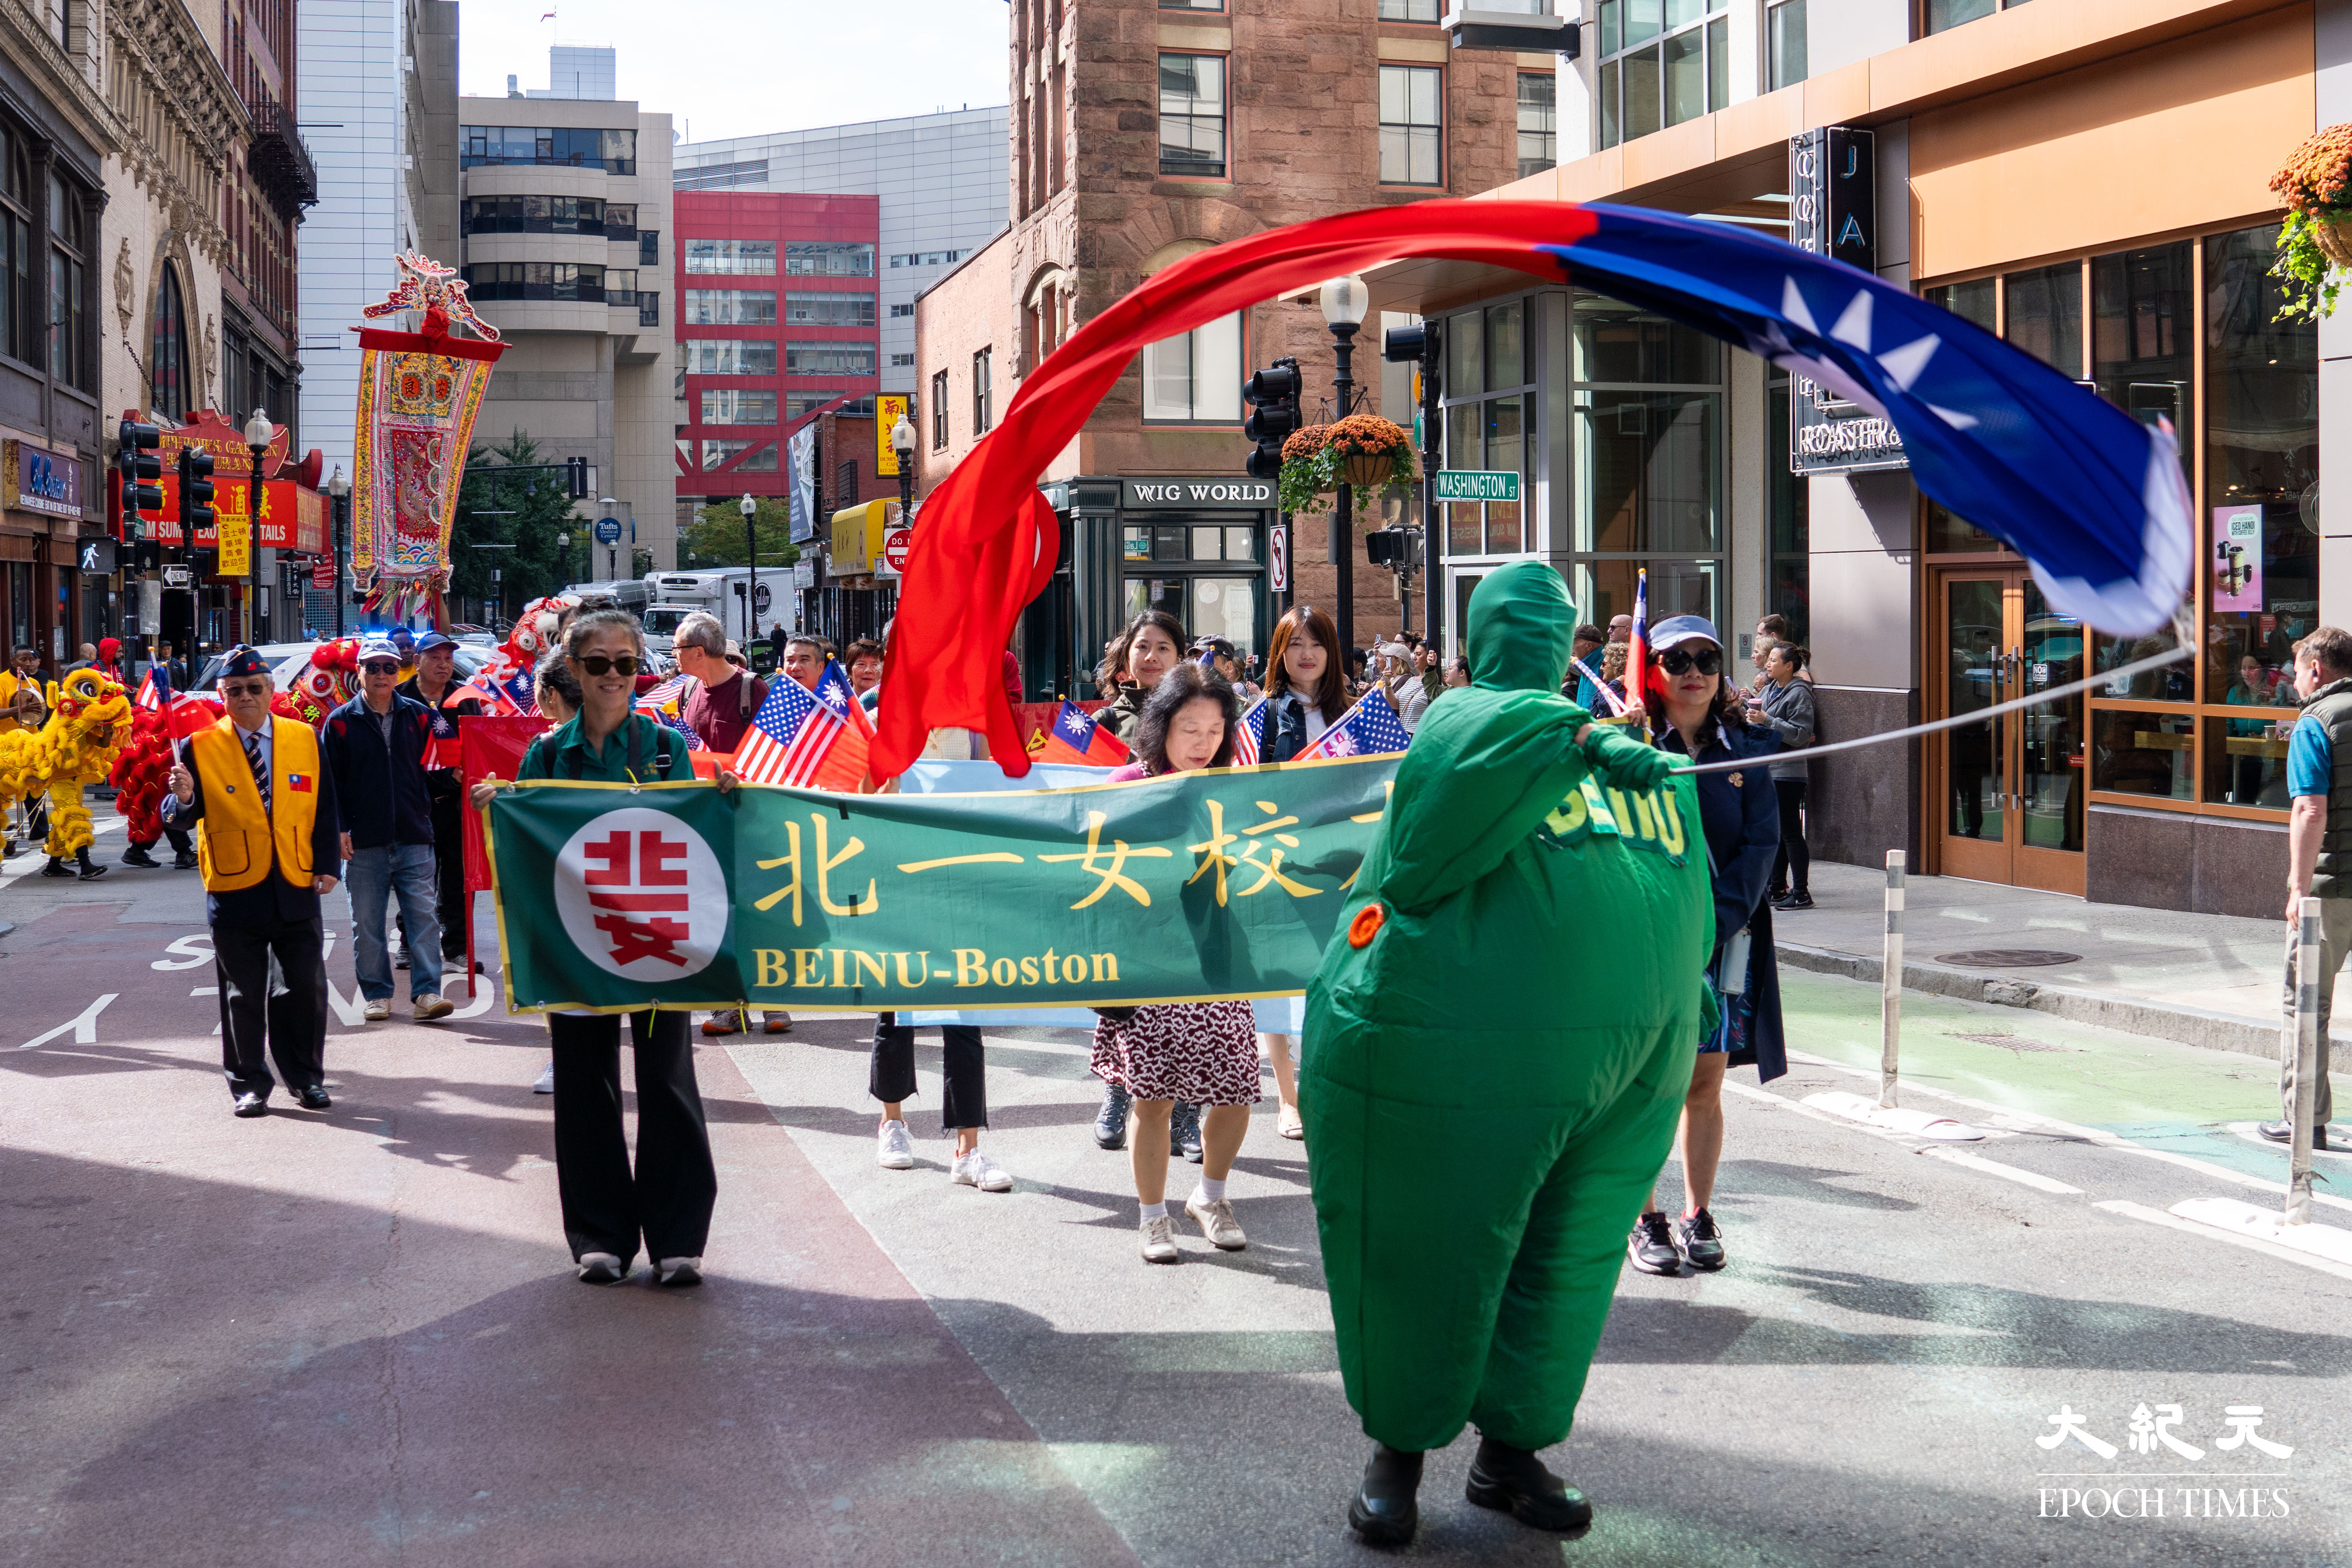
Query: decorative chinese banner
1191, 888
235, 538
418, 395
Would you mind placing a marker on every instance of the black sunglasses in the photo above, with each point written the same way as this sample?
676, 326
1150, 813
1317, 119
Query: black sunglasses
601, 665
1676, 662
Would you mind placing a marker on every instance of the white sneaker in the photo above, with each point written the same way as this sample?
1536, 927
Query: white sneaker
432, 1005
895, 1149
1159, 1241
977, 1169
1217, 1223
545, 1083
378, 1010
677, 1273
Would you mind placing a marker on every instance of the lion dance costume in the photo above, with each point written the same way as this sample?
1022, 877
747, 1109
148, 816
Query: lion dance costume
77, 746
1491, 1080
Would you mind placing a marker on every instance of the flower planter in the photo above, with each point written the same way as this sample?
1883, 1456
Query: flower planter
2332, 232
1365, 470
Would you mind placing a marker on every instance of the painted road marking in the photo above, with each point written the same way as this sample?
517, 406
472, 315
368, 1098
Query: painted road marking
190, 952
2246, 1130
33, 859
2320, 1240
1995, 1168
2253, 1244
83, 1025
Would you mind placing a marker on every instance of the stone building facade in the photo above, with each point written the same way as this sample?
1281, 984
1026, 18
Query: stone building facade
1141, 134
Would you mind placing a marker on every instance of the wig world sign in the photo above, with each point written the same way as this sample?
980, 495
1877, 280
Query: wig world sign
1191, 888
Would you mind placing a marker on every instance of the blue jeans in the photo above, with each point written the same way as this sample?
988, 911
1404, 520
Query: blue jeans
404, 871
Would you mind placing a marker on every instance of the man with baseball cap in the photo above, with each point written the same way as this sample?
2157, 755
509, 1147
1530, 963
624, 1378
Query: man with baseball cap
374, 746
267, 843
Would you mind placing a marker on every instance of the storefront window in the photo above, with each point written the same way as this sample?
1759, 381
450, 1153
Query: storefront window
2143, 325
1789, 595
2045, 315
2137, 752
2262, 464
1490, 399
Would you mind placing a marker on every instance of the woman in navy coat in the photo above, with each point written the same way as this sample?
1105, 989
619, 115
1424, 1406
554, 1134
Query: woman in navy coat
1739, 814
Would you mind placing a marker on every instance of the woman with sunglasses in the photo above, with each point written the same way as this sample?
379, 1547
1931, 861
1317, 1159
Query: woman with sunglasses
669, 1199
1701, 715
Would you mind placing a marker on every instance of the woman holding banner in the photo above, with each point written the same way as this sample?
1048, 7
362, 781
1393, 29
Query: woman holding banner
1198, 1053
669, 1199
1306, 694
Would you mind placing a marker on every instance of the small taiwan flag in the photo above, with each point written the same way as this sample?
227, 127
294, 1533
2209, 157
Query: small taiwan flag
298, 783
1076, 738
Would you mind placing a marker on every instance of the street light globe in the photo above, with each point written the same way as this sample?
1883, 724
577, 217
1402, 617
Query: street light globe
258, 429
747, 507
338, 486
902, 436
1345, 301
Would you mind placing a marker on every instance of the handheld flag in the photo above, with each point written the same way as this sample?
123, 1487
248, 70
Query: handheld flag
1077, 738
495, 701
1637, 649
154, 692
441, 742
811, 740
1369, 729
1586, 670
1246, 753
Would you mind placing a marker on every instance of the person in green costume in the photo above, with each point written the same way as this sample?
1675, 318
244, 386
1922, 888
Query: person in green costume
1493, 1081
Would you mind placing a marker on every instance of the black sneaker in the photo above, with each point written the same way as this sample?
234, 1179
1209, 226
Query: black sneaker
1701, 1242
2284, 1133
186, 861
136, 856
1184, 1130
1110, 1121
1653, 1247
1799, 899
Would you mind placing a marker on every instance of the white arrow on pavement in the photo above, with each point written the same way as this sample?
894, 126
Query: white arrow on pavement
84, 1025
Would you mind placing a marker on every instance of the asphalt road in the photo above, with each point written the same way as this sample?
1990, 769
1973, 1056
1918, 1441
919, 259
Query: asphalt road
354, 1337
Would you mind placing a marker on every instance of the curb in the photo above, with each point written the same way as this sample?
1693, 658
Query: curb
2186, 1025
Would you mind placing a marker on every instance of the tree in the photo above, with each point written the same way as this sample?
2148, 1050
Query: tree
715, 537
527, 510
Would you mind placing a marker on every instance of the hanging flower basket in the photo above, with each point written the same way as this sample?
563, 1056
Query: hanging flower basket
1363, 450
2314, 244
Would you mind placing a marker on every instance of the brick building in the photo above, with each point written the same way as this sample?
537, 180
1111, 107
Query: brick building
1143, 132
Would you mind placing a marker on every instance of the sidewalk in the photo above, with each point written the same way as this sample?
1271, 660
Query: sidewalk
2202, 980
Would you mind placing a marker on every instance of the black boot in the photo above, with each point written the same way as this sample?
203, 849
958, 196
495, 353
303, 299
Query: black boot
1184, 1130
1517, 1482
56, 868
1383, 1512
81, 857
1110, 1121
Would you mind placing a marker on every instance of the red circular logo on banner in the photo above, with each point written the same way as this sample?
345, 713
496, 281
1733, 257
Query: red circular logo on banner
642, 895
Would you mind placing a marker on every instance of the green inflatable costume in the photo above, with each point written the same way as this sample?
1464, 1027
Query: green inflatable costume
1499, 1040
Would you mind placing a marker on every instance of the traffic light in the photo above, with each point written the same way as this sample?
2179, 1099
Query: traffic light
1273, 396
1398, 549
575, 471
196, 494
134, 445
1404, 344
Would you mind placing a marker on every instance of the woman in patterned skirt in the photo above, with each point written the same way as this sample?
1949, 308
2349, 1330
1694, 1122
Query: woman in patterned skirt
1204, 1053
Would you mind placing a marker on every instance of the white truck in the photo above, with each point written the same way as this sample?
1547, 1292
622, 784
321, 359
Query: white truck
671, 596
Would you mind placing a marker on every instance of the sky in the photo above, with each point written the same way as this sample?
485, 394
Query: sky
739, 68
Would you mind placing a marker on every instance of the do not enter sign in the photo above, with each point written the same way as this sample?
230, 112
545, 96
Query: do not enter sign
894, 547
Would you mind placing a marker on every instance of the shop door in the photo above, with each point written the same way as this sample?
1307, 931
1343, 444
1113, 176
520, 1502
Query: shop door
2006, 792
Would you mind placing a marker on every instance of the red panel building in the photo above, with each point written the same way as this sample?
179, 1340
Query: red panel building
777, 316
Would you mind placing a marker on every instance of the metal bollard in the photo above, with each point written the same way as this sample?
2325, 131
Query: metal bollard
1890, 983
2307, 1061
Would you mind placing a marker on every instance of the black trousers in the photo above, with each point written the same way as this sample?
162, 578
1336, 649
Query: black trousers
292, 1023
180, 843
456, 906
891, 1078
1794, 861
669, 1200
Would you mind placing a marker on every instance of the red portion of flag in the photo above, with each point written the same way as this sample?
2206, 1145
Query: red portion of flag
1637, 647
298, 783
988, 539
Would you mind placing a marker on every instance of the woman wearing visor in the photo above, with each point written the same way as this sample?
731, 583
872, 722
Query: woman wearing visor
1701, 715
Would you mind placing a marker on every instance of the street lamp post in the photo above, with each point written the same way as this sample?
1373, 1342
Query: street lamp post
257, 432
340, 490
1345, 301
751, 510
564, 556
902, 441
612, 550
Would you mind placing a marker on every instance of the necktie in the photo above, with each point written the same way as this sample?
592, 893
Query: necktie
260, 768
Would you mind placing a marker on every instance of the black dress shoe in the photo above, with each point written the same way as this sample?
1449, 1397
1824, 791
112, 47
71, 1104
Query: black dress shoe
1516, 1481
2284, 1133
251, 1104
1384, 1512
316, 1097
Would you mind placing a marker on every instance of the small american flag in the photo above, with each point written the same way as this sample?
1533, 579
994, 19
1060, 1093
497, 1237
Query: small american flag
1245, 749
674, 689
155, 692
811, 740
1367, 730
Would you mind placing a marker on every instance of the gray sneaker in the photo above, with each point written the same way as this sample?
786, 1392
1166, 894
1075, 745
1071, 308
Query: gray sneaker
1217, 1223
1159, 1241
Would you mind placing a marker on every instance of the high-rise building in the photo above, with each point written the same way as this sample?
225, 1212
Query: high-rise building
940, 178
564, 214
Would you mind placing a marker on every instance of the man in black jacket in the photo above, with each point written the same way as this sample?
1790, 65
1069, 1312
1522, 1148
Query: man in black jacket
374, 748
434, 685
264, 812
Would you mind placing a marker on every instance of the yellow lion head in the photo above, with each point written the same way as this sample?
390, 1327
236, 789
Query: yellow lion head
91, 722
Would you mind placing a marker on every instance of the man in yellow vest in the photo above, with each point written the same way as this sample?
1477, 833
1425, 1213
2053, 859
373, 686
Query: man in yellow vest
268, 844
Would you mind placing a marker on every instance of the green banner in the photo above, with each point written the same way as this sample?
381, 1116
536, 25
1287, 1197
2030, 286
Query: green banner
1191, 888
